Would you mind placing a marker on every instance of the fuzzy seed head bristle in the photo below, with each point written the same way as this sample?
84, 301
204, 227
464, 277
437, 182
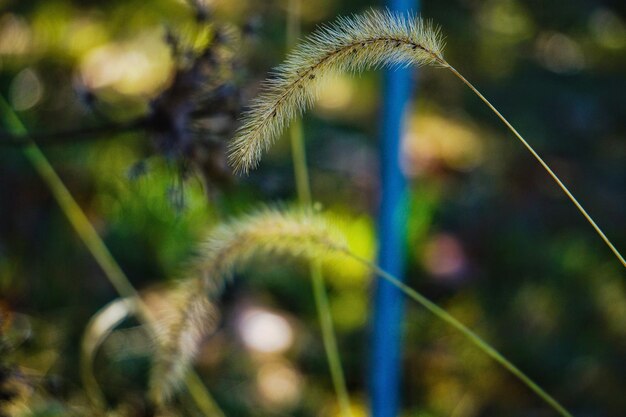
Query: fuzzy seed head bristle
294, 232
179, 335
370, 40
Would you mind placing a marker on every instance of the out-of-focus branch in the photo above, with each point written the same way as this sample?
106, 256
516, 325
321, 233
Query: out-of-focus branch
96, 246
72, 136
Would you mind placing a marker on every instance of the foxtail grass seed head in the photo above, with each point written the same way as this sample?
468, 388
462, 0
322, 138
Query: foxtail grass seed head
373, 39
269, 231
179, 335
232, 245
272, 231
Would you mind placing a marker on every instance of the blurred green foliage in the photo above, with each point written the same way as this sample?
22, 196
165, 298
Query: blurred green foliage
490, 237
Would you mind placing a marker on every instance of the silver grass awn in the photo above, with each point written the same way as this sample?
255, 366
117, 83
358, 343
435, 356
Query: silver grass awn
373, 39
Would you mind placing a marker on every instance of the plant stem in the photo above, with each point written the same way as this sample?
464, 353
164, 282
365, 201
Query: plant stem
301, 172
201, 395
303, 188
469, 334
71, 136
320, 294
543, 164
95, 244
329, 339
70, 208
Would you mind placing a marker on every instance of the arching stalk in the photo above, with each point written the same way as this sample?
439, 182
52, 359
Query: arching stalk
544, 165
370, 40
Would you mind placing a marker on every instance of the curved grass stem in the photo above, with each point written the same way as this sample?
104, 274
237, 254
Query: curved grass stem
468, 333
94, 243
544, 165
298, 156
303, 189
330, 341
352, 45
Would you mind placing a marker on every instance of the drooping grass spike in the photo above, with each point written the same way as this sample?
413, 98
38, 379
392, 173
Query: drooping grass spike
373, 39
228, 247
353, 44
179, 335
303, 233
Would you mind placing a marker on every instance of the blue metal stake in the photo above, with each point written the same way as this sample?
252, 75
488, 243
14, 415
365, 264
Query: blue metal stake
388, 309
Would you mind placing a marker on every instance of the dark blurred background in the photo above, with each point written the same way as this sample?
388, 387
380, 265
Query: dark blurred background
490, 237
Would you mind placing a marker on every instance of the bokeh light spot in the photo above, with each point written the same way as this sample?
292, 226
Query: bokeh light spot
279, 384
264, 331
608, 29
337, 94
15, 35
559, 53
138, 67
444, 256
26, 90
432, 140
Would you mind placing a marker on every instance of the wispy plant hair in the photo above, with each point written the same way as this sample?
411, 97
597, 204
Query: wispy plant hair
296, 232
232, 245
178, 337
352, 44
373, 39
309, 234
